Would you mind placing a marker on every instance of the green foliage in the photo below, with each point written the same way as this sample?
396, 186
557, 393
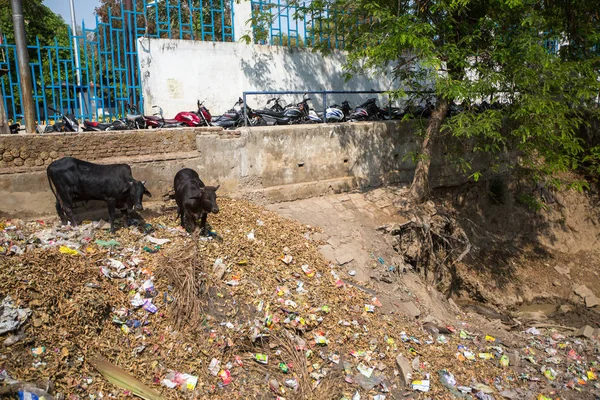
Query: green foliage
470, 51
532, 203
40, 22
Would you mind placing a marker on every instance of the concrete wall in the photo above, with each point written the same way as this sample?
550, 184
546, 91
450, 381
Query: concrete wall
175, 73
266, 164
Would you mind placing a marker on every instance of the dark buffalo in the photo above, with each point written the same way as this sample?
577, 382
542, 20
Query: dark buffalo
77, 180
194, 199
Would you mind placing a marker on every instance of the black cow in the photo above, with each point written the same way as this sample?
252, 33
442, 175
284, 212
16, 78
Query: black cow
77, 180
194, 199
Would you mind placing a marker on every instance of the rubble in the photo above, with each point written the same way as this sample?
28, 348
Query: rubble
585, 331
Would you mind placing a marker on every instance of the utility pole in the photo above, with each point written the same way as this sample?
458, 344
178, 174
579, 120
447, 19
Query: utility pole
24, 68
76, 54
130, 45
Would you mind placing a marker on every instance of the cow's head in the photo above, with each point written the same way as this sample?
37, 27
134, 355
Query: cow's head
137, 190
208, 198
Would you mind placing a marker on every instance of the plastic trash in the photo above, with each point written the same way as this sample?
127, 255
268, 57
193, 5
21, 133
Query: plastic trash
449, 382
11, 316
225, 376
157, 240
107, 243
308, 271
68, 250
38, 351
549, 373
29, 396
363, 369
148, 306
292, 383
176, 379
214, 366
261, 358
420, 386
367, 383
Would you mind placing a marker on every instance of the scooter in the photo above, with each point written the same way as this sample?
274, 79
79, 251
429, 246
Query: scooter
93, 126
68, 123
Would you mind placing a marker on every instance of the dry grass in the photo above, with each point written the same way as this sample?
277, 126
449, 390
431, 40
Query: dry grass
188, 278
329, 387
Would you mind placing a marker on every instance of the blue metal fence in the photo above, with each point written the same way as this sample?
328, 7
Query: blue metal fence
278, 23
109, 67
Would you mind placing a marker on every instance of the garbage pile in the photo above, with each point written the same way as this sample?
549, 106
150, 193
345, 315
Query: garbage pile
251, 311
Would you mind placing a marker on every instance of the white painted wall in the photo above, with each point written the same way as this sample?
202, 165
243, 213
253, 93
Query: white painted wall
175, 73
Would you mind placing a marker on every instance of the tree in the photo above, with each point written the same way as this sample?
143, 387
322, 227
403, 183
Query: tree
177, 19
469, 51
40, 22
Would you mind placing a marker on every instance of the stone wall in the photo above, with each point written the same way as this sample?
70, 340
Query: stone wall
34, 152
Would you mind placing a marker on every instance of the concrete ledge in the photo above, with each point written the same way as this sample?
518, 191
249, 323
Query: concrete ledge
266, 164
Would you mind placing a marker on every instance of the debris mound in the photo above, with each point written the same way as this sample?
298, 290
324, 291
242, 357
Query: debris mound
252, 311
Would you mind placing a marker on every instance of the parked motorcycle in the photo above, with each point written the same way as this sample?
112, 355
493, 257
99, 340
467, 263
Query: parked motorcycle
200, 117
203, 113
267, 116
234, 118
134, 119
68, 123
157, 120
367, 111
337, 113
392, 113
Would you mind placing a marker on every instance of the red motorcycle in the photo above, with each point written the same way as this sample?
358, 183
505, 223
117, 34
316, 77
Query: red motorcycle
203, 113
157, 120
201, 117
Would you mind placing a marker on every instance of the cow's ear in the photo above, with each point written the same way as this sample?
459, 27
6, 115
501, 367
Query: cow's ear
199, 197
143, 182
147, 193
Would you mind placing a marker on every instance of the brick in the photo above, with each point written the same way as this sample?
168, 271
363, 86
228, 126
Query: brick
585, 331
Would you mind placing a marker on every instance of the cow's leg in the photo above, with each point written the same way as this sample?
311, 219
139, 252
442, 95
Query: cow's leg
69, 211
125, 215
111, 214
180, 216
189, 222
64, 205
61, 214
203, 223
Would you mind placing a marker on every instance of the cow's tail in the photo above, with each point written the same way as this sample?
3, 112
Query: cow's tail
52, 187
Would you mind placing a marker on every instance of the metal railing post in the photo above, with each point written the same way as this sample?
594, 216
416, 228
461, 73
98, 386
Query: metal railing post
324, 104
245, 110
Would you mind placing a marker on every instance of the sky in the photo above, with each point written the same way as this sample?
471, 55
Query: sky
84, 10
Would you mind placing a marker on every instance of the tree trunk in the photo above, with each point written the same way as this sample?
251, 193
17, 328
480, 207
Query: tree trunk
420, 184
